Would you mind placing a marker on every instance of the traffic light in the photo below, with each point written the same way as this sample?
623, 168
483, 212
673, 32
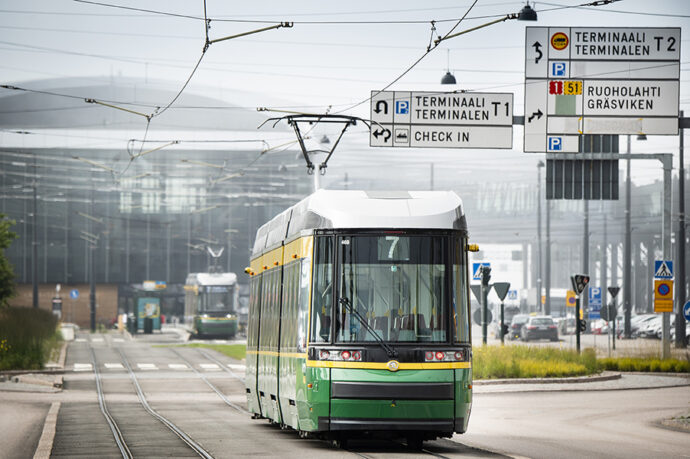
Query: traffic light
582, 324
504, 330
486, 275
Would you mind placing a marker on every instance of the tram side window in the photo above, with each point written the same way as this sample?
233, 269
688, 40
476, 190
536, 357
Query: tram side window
461, 314
255, 303
322, 298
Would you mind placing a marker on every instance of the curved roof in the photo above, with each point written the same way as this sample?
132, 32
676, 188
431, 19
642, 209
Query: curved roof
363, 209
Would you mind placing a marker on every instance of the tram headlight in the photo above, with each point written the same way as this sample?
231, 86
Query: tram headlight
324, 354
204, 316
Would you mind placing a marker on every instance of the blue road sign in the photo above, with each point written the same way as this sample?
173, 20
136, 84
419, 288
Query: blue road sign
402, 107
555, 144
512, 294
663, 269
476, 270
74, 294
595, 302
558, 69
686, 311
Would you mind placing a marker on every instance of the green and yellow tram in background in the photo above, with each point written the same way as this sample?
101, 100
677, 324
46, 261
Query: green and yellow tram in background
210, 304
359, 317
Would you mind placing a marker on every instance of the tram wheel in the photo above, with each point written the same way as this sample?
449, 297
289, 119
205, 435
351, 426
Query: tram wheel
414, 442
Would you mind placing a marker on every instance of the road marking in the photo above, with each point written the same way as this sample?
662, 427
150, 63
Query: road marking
178, 366
45, 444
114, 366
118, 340
209, 366
238, 367
80, 340
96, 340
83, 367
147, 366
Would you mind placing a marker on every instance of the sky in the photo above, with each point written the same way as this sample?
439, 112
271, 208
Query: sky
329, 60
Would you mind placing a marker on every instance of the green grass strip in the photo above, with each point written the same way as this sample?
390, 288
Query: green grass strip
234, 351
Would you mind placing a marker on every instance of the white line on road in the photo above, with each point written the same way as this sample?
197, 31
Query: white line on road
238, 367
80, 340
178, 366
118, 340
209, 366
147, 366
96, 340
114, 366
82, 367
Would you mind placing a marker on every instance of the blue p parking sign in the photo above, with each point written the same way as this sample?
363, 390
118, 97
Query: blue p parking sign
402, 107
555, 144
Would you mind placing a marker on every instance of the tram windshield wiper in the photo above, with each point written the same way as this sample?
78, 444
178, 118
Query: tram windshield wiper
392, 353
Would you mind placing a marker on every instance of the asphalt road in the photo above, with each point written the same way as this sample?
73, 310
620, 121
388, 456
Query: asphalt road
204, 398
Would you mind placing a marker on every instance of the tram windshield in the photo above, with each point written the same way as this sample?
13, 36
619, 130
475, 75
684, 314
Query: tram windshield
398, 284
216, 298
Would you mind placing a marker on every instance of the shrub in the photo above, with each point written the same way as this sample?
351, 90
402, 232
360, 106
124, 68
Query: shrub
530, 362
28, 335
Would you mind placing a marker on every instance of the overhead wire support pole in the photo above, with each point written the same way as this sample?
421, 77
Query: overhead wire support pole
505, 18
98, 102
244, 34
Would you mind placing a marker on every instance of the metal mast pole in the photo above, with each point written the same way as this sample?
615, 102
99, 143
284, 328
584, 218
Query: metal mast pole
627, 262
680, 238
538, 305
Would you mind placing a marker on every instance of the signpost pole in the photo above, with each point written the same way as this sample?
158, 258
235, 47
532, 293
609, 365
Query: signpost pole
502, 323
577, 324
666, 228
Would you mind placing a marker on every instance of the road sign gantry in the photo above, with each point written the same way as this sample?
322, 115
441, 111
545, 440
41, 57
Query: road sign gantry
581, 80
441, 120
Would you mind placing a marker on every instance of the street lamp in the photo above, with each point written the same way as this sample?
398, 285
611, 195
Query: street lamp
540, 164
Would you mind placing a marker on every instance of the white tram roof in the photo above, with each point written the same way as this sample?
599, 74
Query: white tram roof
211, 279
363, 209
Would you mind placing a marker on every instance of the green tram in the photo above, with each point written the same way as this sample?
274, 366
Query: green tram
359, 317
210, 302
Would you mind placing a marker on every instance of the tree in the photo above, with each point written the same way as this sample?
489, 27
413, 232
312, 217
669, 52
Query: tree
7, 287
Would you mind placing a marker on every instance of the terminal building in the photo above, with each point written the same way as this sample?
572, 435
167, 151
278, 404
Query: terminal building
88, 203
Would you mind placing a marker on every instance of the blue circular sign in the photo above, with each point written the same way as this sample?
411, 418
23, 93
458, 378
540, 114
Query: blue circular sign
74, 294
663, 289
686, 311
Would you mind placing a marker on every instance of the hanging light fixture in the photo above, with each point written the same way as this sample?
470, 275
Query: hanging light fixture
527, 13
448, 78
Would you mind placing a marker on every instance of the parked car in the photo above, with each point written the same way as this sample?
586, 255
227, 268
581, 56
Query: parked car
566, 326
539, 327
637, 323
516, 324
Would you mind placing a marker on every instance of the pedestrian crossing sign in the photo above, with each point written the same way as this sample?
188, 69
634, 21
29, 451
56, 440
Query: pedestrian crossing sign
663, 269
477, 270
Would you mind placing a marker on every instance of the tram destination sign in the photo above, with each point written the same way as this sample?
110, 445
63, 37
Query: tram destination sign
599, 81
441, 120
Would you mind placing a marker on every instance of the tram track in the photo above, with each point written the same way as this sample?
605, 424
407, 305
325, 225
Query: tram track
209, 383
197, 448
117, 433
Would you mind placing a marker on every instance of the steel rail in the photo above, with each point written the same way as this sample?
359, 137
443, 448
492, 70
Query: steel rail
219, 363
169, 424
210, 384
117, 433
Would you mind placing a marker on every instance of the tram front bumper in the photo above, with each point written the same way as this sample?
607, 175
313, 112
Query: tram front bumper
398, 406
